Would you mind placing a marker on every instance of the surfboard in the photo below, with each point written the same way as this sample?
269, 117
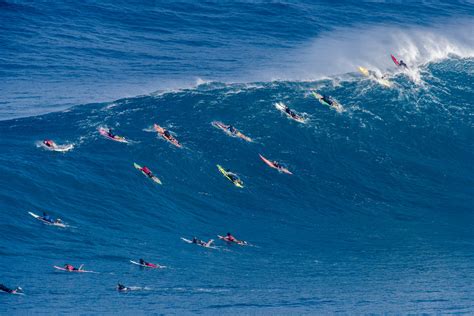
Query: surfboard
395, 60
364, 71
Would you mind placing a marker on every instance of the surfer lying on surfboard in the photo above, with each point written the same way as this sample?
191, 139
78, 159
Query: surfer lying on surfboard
142, 263
107, 133
166, 135
329, 101
230, 238
147, 172
232, 176
122, 288
275, 164
289, 112
201, 242
49, 143
231, 130
5, 289
71, 268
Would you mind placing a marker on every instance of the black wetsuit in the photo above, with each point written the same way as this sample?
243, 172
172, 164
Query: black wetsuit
5, 289
121, 287
327, 100
232, 130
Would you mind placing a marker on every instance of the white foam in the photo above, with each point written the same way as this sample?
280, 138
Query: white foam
342, 51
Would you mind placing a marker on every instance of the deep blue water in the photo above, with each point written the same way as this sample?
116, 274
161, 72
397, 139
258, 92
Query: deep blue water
377, 217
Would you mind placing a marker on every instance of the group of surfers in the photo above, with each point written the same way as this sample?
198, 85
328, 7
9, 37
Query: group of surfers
120, 287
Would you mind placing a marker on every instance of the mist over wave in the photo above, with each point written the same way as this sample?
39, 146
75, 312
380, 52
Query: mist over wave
341, 51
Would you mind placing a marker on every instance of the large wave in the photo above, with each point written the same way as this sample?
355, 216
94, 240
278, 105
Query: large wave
376, 217
380, 198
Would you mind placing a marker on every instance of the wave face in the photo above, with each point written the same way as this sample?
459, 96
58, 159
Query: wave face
376, 218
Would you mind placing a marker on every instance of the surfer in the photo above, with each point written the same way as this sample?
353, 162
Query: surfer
148, 264
327, 99
70, 268
166, 135
10, 291
170, 138
232, 129
201, 242
402, 64
49, 143
291, 113
109, 133
277, 164
121, 287
233, 177
147, 171
198, 241
231, 238
48, 218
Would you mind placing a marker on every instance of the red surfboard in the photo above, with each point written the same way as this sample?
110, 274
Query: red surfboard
395, 60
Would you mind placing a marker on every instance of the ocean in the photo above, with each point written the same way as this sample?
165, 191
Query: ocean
377, 217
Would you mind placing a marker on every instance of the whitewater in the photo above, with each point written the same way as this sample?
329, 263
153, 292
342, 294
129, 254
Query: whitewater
377, 216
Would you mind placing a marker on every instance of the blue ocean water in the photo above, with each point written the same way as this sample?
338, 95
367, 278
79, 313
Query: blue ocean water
376, 218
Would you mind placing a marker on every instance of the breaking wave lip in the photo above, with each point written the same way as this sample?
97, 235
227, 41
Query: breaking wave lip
334, 55
341, 51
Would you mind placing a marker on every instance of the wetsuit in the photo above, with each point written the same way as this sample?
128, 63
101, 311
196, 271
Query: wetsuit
326, 99
69, 267
48, 218
110, 134
147, 171
232, 130
6, 289
48, 143
121, 287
